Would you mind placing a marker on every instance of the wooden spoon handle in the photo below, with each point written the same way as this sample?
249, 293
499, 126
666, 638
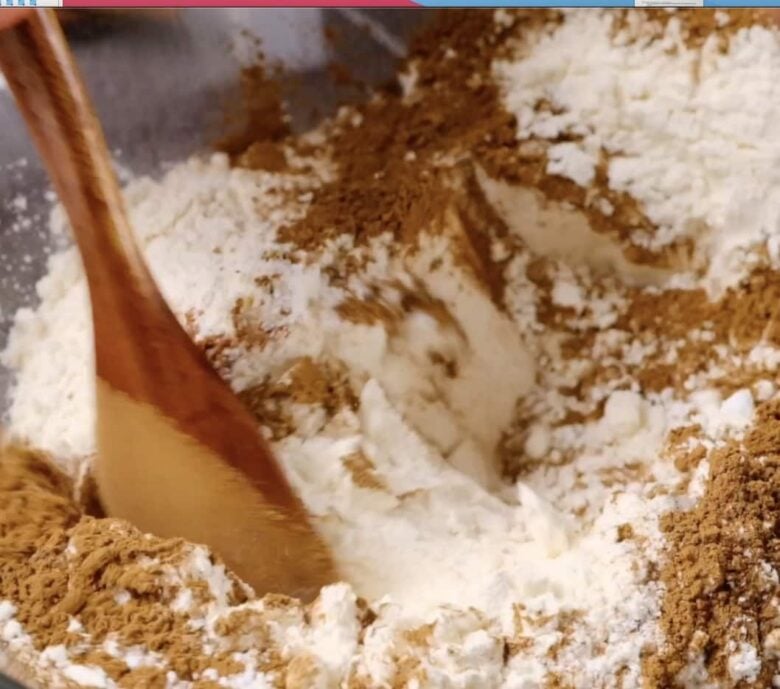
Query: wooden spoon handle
45, 81
140, 348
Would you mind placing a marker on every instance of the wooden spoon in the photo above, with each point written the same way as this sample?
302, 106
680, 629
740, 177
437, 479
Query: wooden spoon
178, 454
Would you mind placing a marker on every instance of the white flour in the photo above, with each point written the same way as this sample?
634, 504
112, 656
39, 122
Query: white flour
687, 132
432, 537
437, 537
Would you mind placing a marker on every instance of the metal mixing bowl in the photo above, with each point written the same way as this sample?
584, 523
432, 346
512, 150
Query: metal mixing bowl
7, 683
161, 86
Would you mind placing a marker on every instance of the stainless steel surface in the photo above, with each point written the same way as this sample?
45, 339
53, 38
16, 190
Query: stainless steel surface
161, 87
7, 683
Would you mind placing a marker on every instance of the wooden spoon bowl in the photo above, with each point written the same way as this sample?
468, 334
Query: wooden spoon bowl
178, 454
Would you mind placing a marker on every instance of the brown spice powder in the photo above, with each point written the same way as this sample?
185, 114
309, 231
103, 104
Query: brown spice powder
59, 565
259, 123
686, 321
389, 175
302, 381
392, 152
363, 471
720, 588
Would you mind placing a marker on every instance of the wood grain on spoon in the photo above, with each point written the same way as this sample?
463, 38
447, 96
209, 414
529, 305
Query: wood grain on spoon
178, 454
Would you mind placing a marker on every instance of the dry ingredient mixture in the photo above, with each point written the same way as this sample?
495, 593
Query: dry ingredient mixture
513, 329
